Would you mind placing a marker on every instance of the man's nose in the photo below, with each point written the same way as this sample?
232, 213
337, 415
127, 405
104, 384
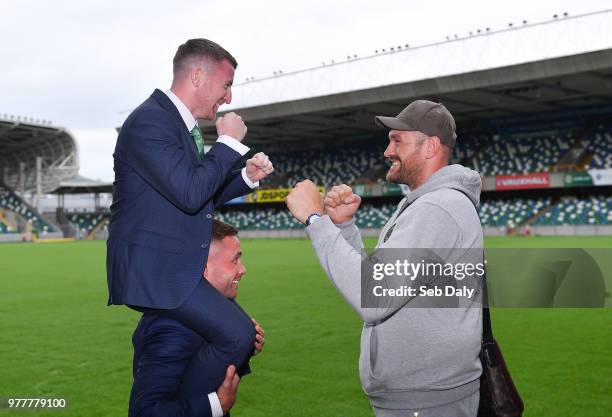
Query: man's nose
388, 151
228, 96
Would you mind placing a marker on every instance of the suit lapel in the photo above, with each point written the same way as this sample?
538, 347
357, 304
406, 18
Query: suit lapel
169, 106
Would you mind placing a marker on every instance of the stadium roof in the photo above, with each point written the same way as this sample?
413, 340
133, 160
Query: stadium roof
526, 68
82, 185
23, 140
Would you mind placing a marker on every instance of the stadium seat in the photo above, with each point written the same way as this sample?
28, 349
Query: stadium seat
279, 218
374, 217
591, 211
87, 222
506, 213
510, 213
489, 155
521, 154
332, 167
9, 200
4, 228
466, 147
600, 146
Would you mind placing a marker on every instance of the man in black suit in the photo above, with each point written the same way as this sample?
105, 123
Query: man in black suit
165, 191
164, 383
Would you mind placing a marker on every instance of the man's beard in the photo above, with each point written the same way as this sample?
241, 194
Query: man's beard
403, 175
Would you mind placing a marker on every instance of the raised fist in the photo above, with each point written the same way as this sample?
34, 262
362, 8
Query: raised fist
231, 124
341, 204
259, 167
304, 200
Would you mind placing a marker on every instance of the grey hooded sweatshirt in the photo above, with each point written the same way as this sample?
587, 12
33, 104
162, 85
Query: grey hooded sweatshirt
413, 357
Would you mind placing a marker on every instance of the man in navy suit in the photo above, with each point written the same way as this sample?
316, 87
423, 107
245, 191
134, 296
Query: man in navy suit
164, 384
165, 191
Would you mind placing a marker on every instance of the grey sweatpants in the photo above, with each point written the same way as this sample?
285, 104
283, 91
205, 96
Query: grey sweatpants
467, 407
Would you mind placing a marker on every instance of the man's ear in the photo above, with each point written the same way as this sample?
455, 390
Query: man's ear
205, 271
433, 147
197, 76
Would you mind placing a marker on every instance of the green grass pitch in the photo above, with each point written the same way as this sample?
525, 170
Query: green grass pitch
58, 338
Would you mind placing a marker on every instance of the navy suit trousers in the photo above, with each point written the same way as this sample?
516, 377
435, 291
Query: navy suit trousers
228, 331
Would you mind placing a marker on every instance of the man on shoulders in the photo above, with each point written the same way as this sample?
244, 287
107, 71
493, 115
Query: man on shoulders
165, 192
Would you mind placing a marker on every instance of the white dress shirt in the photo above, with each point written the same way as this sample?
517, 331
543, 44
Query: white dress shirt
190, 122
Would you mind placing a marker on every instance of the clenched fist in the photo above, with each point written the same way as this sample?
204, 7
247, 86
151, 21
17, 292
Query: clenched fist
304, 200
341, 203
231, 124
259, 167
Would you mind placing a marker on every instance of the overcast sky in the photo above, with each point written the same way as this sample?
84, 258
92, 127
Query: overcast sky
84, 64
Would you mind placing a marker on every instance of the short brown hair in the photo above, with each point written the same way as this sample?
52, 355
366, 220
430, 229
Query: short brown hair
222, 230
200, 48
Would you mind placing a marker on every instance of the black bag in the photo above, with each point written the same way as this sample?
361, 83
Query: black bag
498, 395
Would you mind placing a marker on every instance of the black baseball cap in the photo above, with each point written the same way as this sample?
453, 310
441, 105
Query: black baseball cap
428, 117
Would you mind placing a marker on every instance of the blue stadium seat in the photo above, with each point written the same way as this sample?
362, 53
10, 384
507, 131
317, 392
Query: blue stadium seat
591, 211
12, 202
489, 155
510, 213
332, 167
506, 213
87, 222
5, 228
521, 154
600, 146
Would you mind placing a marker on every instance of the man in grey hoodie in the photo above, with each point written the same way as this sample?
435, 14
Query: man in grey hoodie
414, 361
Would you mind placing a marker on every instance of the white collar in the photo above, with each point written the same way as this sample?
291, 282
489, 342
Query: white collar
186, 115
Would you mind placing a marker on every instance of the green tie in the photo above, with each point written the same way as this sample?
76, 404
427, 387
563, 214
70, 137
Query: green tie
199, 141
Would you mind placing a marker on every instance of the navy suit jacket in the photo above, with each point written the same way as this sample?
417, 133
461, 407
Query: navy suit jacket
163, 348
163, 202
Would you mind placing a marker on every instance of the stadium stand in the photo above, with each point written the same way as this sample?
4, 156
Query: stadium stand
510, 213
467, 147
522, 153
278, 217
593, 210
88, 222
600, 146
12, 202
349, 165
374, 216
251, 218
4, 228
506, 213
488, 154
327, 168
